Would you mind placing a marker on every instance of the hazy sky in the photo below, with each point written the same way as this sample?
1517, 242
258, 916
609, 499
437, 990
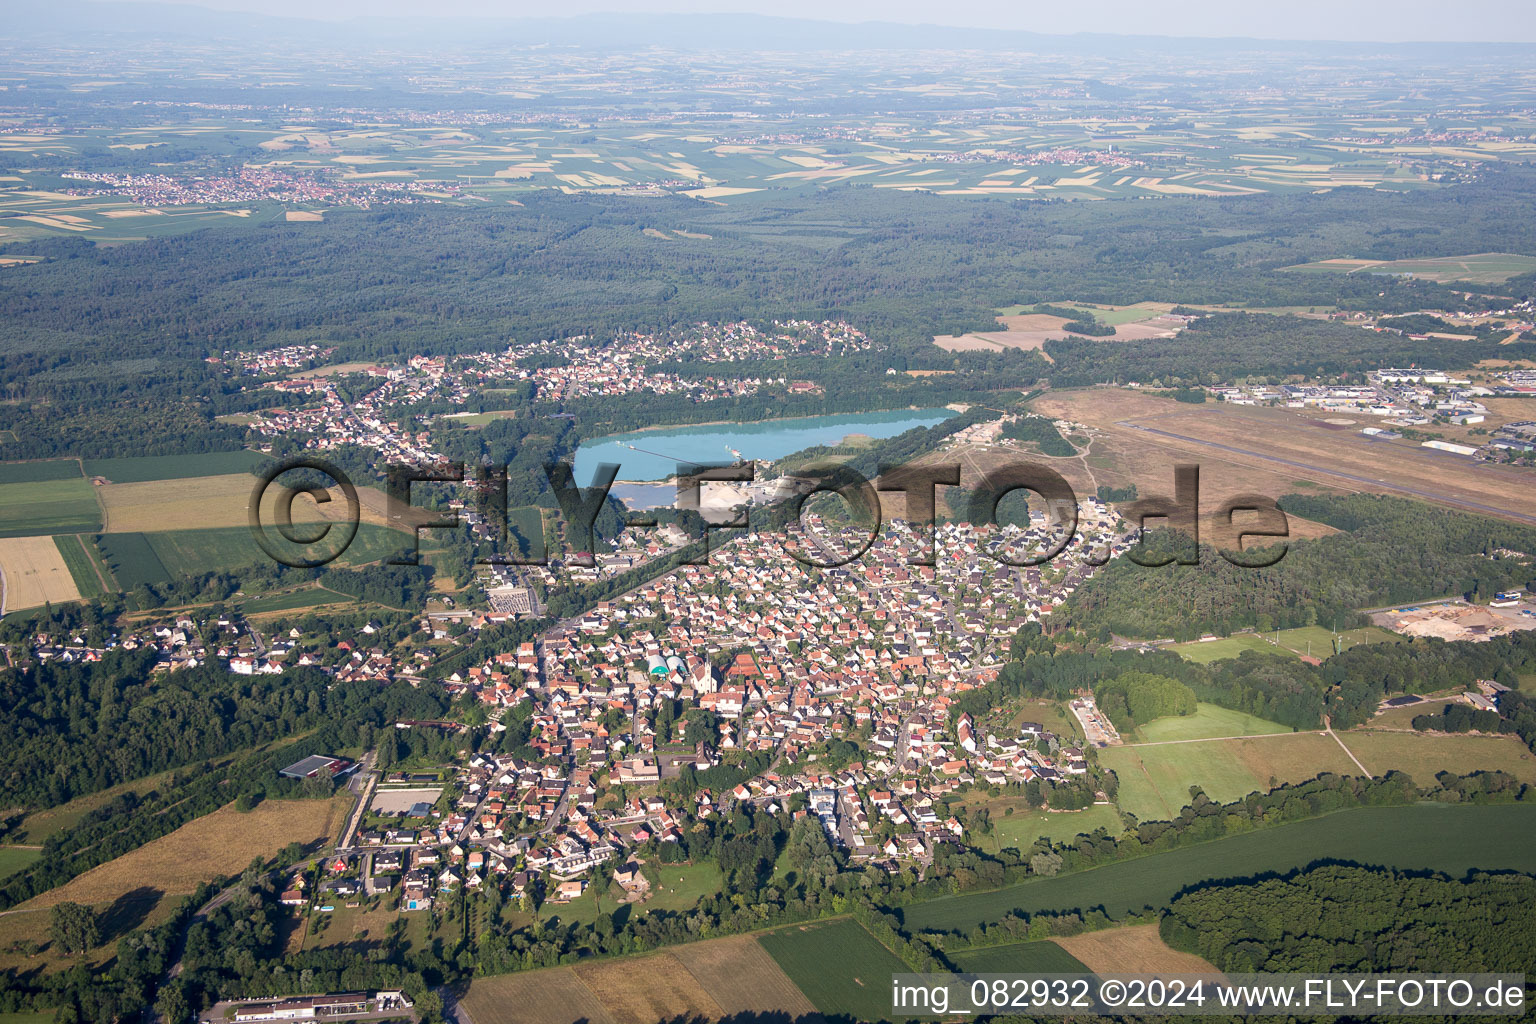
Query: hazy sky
1377, 20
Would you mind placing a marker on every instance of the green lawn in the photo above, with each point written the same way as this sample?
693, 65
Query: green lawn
1155, 781
838, 965
1452, 838
1207, 721
174, 467
1043, 957
1020, 829
43, 507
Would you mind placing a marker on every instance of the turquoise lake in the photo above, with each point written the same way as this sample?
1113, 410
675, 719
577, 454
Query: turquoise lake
706, 445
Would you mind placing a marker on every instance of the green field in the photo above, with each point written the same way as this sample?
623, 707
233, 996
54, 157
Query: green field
226, 548
1208, 720
84, 562
1205, 652
310, 597
14, 858
38, 472
174, 467
44, 507
132, 559
838, 965
1021, 830
1452, 838
1043, 957
1302, 640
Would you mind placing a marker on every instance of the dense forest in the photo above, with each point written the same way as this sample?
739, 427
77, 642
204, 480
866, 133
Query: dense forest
124, 330
1360, 920
1390, 551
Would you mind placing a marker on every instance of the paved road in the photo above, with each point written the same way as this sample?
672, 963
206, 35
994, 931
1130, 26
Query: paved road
1435, 496
366, 773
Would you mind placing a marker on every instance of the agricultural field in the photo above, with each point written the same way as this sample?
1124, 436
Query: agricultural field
1451, 838
1028, 331
40, 508
91, 575
1480, 268
35, 573
140, 887
741, 977
132, 560
39, 472
700, 980
1137, 949
223, 549
838, 965
1041, 957
174, 467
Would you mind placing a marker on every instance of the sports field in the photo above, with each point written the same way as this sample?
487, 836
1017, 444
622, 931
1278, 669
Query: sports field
1453, 838
1313, 640
838, 965
174, 467
35, 573
43, 507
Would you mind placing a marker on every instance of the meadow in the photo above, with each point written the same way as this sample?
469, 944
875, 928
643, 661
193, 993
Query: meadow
1155, 779
174, 467
1209, 720
39, 508
1041, 957
1024, 827
293, 600
679, 887
1424, 755
1313, 640
1448, 838
838, 965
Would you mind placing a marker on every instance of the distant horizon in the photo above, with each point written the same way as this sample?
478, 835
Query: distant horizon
1321, 21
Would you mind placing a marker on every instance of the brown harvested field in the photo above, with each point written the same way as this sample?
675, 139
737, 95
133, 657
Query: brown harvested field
1136, 950
35, 573
208, 501
309, 216
1030, 331
647, 989
742, 978
552, 996
1422, 755
1272, 451
221, 843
